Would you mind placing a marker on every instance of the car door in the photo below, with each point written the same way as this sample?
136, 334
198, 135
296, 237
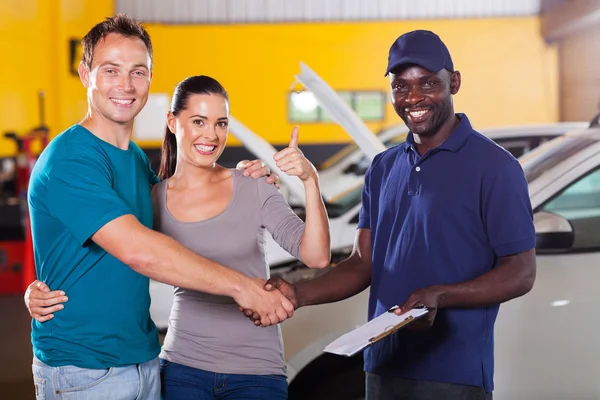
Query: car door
546, 341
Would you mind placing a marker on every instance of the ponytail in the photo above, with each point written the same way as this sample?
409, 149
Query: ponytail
168, 160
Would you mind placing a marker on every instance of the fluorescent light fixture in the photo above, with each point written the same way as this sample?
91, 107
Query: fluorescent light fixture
304, 101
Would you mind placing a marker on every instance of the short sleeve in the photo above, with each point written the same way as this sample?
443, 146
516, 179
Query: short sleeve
81, 197
279, 219
364, 217
152, 177
157, 205
507, 213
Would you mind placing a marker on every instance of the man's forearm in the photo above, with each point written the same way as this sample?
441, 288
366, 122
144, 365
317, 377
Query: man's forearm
165, 260
514, 277
348, 278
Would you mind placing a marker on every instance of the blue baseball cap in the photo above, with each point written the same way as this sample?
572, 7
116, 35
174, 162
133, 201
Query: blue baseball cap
423, 48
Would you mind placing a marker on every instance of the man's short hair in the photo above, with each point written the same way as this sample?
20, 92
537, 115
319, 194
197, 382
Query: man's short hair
121, 24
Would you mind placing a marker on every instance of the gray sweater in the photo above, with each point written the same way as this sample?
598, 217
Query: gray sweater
207, 331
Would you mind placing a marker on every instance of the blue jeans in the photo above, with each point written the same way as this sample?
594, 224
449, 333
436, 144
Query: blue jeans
135, 382
180, 382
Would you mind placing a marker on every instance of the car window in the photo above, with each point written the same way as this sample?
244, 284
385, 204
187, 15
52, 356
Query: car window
342, 203
338, 156
361, 166
516, 147
519, 146
580, 204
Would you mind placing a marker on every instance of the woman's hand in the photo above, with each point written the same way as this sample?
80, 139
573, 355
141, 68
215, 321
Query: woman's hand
41, 302
292, 161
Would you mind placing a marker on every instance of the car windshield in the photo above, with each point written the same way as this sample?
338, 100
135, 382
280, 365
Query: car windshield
361, 166
344, 202
351, 148
541, 159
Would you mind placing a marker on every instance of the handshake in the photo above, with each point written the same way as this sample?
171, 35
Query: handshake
267, 303
264, 303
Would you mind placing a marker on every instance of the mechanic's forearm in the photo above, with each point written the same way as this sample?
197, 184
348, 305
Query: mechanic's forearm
348, 278
514, 277
165, 260
315, 249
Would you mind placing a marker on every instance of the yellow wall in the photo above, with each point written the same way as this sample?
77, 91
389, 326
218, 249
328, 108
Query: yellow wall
509, 74
34, 43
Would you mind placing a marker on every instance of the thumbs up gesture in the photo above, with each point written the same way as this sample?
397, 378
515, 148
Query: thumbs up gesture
292, 161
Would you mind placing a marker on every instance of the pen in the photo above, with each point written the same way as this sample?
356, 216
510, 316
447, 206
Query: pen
417, 306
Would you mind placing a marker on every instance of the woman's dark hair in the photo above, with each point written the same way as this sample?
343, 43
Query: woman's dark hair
199, 84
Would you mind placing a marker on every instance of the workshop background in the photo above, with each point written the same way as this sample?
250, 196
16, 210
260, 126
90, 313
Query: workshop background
522, 62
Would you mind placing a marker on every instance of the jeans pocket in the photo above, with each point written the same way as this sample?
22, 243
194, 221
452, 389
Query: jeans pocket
164, 363
40, 388
74, 379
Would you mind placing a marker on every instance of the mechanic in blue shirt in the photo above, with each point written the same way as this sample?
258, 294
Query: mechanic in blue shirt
446, 222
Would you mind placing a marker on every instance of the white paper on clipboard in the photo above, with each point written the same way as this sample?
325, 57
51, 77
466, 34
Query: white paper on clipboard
367, 334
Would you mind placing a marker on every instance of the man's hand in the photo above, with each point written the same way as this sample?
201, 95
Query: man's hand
292, 161
258, 169
428, 297
274, 284
270, 307
41, 302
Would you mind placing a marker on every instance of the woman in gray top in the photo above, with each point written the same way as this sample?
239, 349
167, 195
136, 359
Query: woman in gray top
211, 350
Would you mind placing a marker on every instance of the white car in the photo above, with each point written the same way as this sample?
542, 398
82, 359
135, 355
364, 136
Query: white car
346, 168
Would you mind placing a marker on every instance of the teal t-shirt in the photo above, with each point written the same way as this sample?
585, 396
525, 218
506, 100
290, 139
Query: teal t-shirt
79, 184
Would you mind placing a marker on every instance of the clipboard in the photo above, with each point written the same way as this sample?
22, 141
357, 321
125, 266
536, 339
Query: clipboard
373, 331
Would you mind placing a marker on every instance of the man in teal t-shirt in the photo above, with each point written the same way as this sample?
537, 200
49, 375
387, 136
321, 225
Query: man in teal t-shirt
79, 184
91, 220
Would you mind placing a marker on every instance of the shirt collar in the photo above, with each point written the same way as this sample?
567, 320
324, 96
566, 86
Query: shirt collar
455, 141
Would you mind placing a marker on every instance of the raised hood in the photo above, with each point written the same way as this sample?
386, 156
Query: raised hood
340, 112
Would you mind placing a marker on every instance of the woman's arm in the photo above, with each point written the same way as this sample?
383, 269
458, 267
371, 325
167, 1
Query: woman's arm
315, 249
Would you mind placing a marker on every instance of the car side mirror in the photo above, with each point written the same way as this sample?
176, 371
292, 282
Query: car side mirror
553, 233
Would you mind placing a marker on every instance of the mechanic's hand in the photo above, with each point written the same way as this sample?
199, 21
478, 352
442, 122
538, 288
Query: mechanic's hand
41, 302
271, 307
276, 283
428, 297
258, 169
292, 161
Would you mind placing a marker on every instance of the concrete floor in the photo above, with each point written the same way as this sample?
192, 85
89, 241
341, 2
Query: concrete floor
15, 350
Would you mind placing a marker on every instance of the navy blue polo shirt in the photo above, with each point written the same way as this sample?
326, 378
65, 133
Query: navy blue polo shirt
442, 218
